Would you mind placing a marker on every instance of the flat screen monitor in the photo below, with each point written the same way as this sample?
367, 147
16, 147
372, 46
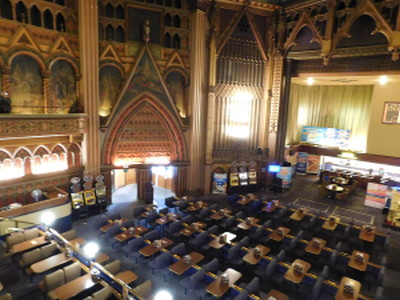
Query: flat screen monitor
274, 168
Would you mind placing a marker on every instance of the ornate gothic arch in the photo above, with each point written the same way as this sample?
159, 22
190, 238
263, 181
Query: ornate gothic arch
144, 129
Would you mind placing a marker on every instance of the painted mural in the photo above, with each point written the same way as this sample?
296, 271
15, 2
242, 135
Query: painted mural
176, 86
26, 86
110, 87
62, 88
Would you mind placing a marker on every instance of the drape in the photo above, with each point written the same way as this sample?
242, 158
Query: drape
342, 107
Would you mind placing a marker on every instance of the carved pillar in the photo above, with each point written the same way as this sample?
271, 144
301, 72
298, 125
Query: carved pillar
48, 107
284, 111
14, 11
89, 92
5, 80
197, 94
79, 106
28, 166
212, 75
180, 180
276, 68
143, 177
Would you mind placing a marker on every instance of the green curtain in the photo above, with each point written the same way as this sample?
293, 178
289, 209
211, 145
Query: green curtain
343, 107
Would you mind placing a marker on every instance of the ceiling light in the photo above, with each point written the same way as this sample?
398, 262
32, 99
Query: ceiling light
383, 79
310, 81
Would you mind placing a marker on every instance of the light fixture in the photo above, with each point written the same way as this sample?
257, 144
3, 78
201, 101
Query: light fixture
47, 218
383, 79
91, 250
163, 295
310, 80
347, 155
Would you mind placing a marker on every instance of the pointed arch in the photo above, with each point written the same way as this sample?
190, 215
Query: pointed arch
48, 21
60, 22
22, 152
171, 130
4, 154
59, 149
36, 16
41, 150
21, 12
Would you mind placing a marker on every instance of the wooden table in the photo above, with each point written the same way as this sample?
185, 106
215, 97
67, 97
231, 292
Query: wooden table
313, 246
276, 236
294, 276
126, 235
340, 180
341, 293
253, 259
58, 260
181, 267
78, 285
270, 207
277, 295
359, 265
28, 245
222, 213
217, 288
194, 227
331, 223
196, 206
248, 223
299, 214
151, 249
244, 201
111, 223
333, 189
367, 234
216, 243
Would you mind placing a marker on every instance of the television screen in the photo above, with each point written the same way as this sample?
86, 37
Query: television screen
274, 168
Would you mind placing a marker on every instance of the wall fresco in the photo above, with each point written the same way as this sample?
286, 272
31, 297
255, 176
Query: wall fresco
26, 86
62, 88
110, 87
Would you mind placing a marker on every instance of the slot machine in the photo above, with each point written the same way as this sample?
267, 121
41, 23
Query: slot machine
253, 173
243, 174
100, 187
88, 193
234, 175
76, 193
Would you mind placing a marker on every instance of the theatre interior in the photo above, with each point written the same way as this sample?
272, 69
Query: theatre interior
199, 149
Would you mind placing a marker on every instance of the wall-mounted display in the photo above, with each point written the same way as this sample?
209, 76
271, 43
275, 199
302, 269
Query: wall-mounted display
391, 113
331, 137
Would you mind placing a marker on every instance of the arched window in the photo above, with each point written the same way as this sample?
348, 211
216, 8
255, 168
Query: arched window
6, 9
177, 4
109, 33
36, 18
167, 20
60, 2
101, 32
22, 12
60, 23
119, 12
48, 20
120, 34
109, 11
167, 40
176, 42
177, 21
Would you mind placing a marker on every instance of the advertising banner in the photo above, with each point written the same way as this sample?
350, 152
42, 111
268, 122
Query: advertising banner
332, 137
301, 166
220, 182
376, 194
286, 175
313, 163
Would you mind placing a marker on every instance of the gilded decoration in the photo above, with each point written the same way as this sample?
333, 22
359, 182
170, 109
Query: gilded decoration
37, 126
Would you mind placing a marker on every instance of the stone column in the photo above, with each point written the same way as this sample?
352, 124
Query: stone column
143, 177
197, 94
180, 180
48, 107
89, 92
5, 80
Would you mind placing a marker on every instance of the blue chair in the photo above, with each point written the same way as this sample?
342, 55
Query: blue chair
152, 235
198, 241
179, 249
133, 246
233, 199
194, 282
151, 219
266, 271
163, 211
110, 234
188, 219
114, 216
173, 230
212, 266
129, 223
253, 286
316, 290
244, 242
137, 211
233, 255
255, 206
161, 264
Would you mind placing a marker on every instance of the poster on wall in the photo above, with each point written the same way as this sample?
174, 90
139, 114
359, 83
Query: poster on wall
376, 194
234, 179
331, 137
220, 182
301, 166
313, 163
286, 175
